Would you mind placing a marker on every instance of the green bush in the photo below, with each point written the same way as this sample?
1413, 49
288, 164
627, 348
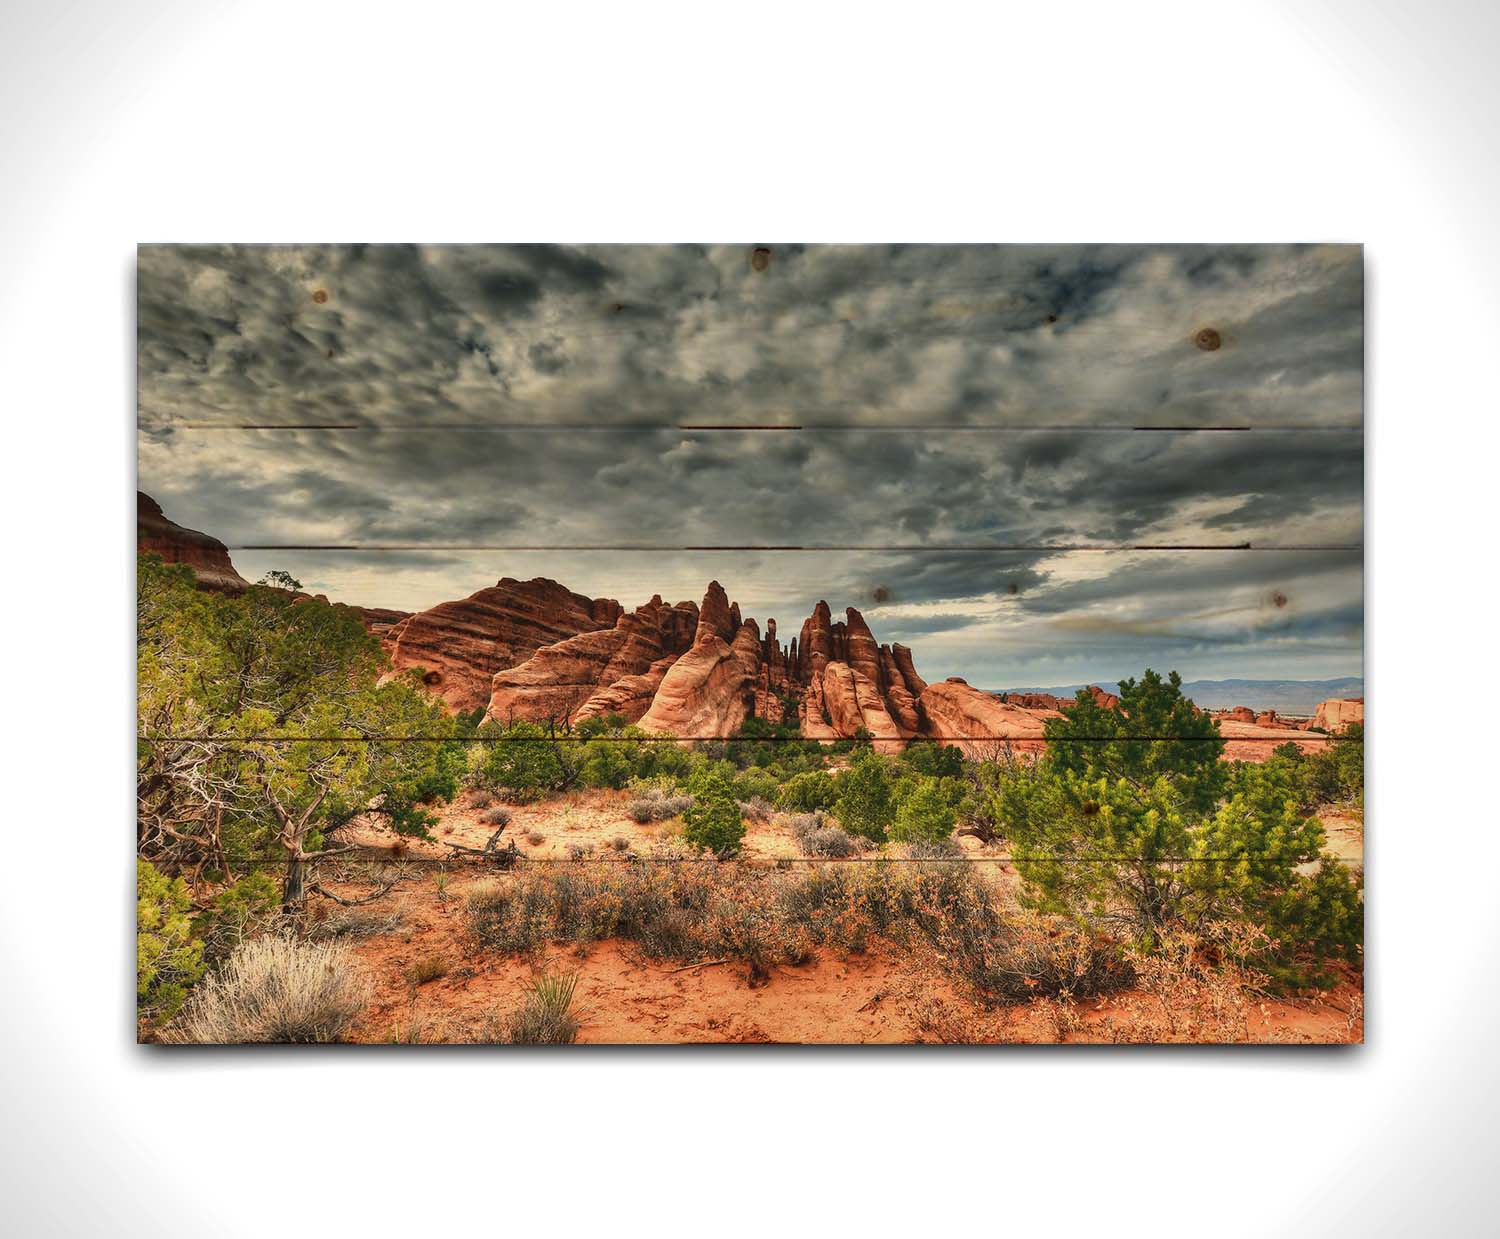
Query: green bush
928, 757
923, 813
713, 822
168, 959
756, 784
808, 792
523, 759
1162, 836
240, 911
865, 805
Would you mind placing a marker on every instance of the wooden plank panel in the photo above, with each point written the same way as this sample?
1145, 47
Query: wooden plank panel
916, 335
775, 508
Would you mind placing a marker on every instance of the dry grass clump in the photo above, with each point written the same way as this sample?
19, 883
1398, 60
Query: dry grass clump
817, 834
498, 816
546, 1017
275, 989
428, 968
478, 798
656, 804
536, 838
620, 843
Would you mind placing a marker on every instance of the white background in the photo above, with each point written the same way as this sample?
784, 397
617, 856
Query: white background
766, 122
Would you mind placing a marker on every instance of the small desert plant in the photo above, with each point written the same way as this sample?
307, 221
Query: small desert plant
498, 816
579, 851
757, 809
656, 805
428, 968
546, 1017
620, 843
480, 798
536, 838
355, 923
276, 989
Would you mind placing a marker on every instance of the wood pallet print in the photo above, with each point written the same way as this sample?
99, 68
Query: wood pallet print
750, 643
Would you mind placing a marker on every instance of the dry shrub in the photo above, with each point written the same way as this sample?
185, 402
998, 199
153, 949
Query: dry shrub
1196, 988
620, 843
354, 923
817, 834
757, 809
656, 804
276, 989
479, 798
498, 816
768, 916
536, 838
1041, 958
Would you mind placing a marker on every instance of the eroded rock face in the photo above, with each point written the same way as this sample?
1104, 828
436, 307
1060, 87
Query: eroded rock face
977, 722
1337, 713
852, 702
205, 555
711, 689
460, 645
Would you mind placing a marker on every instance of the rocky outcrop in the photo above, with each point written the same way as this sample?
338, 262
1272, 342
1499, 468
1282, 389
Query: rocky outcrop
1105, 701
1338, 713
205, 555
700, 671
459, 646
558, 680
852, 703
711, 689
977, 722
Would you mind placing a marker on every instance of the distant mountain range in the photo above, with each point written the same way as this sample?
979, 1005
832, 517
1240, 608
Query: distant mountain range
1283, 696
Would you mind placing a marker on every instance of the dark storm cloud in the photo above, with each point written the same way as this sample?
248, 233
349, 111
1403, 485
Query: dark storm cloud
415, 340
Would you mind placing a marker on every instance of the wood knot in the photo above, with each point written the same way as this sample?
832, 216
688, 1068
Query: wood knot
1208, 340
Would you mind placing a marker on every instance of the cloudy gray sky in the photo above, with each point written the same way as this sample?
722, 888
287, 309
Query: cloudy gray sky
966, 465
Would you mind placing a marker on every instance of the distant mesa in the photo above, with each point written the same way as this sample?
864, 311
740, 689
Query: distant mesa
205, 555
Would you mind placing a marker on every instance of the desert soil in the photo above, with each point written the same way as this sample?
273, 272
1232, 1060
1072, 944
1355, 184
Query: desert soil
884, 996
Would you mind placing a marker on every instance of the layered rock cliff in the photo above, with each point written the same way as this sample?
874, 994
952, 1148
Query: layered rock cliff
459, 646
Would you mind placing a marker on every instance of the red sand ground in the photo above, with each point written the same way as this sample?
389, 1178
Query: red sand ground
887, 995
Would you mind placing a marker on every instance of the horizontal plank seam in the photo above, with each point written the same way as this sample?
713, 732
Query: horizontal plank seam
762, 427
938, 547
275, 861
563, 738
